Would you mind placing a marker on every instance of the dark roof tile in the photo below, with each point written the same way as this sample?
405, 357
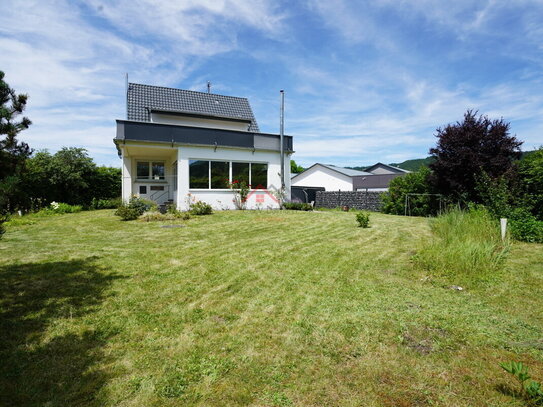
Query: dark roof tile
143, 98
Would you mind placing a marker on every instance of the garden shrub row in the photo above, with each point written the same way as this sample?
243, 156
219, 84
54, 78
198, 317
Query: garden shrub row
297, 206
147, 211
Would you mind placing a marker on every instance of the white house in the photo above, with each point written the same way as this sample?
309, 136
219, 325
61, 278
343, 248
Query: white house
180, 146
329, 177
333, 178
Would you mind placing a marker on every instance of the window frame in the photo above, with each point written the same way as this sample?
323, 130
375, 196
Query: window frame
150, 175
230, 162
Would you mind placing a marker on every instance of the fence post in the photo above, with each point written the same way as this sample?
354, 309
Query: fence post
503, 224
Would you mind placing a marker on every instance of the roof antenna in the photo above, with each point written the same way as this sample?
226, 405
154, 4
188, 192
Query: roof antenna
208, 87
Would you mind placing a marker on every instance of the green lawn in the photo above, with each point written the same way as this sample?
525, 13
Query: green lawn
255, 309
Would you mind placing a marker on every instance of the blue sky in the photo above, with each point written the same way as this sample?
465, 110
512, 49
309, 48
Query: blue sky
364, 81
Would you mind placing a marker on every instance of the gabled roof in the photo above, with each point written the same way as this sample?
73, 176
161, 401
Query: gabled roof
142, 99
345, 171
390, 167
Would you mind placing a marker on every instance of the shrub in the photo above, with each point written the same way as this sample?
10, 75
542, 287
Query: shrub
363, 219
465, 244
241, 192
531, 175
127, 213
56, 208
157, 216
297, 206
178, 214
3, 219
135, 208
200, 208
525, 227
494, 194
183, 215
142, 205
105, 203
414, 183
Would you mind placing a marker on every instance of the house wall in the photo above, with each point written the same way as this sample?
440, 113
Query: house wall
199, 122
323, 177
130, 184
222, 199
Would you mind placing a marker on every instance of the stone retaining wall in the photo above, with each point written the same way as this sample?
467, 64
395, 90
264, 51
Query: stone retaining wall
370, 201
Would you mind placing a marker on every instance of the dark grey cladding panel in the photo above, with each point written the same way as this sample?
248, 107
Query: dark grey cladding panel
287, 143
374, 181
139, 131
186, 135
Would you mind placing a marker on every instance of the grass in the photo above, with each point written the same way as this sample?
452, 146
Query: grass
254, 309
466, 246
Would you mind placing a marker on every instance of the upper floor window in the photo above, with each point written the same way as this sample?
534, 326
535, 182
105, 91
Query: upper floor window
150, 170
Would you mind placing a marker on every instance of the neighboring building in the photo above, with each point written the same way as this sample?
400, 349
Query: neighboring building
382, 169
178, 145
332, 178
329, 177
381, 175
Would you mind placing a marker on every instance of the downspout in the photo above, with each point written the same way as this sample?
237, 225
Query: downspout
281, 134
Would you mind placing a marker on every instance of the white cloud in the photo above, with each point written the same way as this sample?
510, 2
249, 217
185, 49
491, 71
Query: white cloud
366, 91
71, 62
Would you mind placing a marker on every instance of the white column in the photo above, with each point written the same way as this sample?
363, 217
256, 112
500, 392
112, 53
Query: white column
126, 183
182, 186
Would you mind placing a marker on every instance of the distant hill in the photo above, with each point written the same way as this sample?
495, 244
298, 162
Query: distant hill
417, 163
409, 165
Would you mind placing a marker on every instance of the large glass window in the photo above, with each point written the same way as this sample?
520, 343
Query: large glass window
259, 175
205, 174
220, 174
150, 170
157, 170
240, 172
199, 174
142, 170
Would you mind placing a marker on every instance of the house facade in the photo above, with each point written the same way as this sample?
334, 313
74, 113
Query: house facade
329, 177
182, 146
332, 178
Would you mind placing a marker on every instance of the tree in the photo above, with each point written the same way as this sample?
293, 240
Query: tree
13, 153
531, 180
70, 176
469, 148
295, 168
106, 183
413, 183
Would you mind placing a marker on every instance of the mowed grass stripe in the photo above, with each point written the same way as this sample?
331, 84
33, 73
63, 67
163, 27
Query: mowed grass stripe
253, 309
